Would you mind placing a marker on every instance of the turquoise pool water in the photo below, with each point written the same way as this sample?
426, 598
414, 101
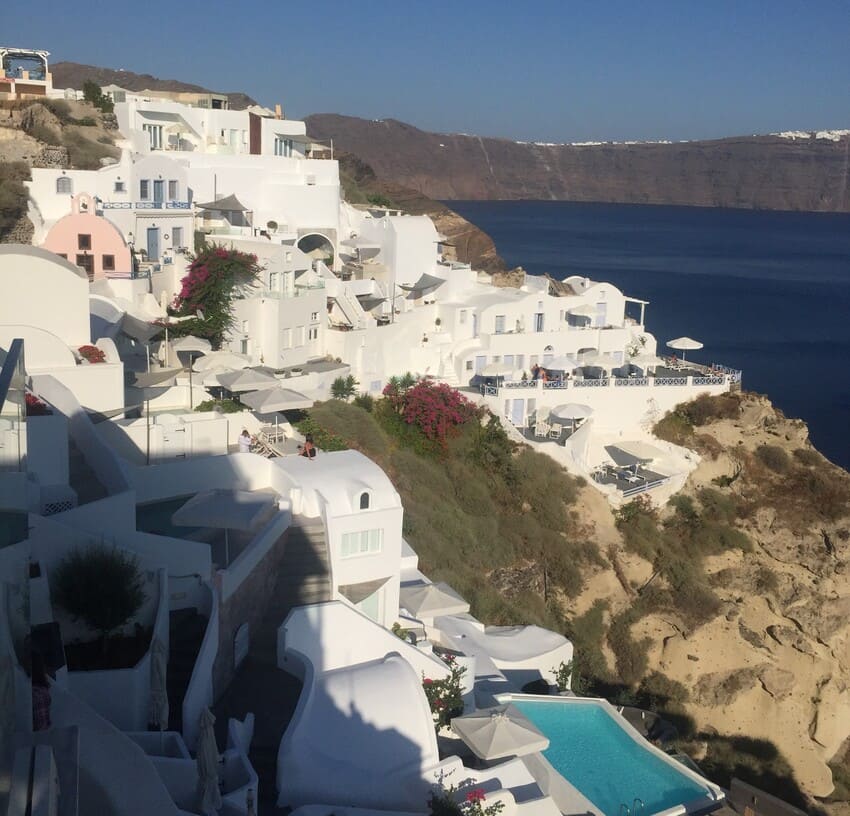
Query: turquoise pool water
593, 753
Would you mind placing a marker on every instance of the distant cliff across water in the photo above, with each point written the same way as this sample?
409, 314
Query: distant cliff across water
793, 171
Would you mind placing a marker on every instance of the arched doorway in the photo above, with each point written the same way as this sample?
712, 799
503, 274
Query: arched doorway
318, 246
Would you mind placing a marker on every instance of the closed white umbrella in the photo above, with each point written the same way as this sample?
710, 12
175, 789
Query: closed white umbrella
207, 759
159, 689
496, 370
684, 344
499, 732
276, 399
562, 363
223, 359
246, 380
431, 600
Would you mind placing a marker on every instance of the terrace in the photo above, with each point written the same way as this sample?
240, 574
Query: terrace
628, 481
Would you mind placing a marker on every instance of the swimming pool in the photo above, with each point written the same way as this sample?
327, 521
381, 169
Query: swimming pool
609, 763
155, 517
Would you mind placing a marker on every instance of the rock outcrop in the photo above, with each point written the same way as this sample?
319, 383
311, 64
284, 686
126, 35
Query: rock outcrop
760, 172
774, 663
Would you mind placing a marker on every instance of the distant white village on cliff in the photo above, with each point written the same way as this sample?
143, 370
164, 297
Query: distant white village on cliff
273, 580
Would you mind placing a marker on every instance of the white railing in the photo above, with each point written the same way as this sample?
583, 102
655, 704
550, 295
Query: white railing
709, 380
633, 381
604, 383
671, 381
554, 384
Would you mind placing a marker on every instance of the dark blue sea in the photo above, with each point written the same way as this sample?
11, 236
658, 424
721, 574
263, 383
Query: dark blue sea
766, 292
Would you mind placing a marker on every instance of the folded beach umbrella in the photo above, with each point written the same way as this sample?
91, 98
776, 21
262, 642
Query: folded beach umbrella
207, 759
499, 732
159, 692
431, 600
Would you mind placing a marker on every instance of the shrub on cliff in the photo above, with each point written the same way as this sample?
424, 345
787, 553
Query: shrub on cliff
13, 195
774, 458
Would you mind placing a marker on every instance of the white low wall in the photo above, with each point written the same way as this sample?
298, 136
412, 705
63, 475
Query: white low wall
232, 577
199, 693
122, 696
333, 635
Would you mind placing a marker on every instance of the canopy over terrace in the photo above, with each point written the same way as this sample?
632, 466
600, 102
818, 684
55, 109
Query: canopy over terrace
221, 359
569, 412
684, 344
431, 600
426, 281
629, 454
246, 380
271, 400
563, 362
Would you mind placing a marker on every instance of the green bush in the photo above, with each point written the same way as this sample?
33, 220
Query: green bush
344, 388
364, 401
717, 506
630, 655
102, 586
225, 406
59, 108
808, 457
674, 428
704, 409
85, 154
13, 195
774, 458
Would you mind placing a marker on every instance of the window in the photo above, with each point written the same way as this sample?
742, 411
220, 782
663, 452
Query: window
314, 316
144, 189
172, 190
108, 263
86, 262
286, 339
313, 334
64, 185
282, 146
120, 187
176, 237
364, 500
462, 317
500, 324
244, 347
362, 542
469, 365
83, 241
155, 134
274, 281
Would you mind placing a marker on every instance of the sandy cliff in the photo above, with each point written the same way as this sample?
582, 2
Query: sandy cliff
774, 662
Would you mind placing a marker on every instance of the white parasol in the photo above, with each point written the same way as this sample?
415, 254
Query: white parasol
207, 759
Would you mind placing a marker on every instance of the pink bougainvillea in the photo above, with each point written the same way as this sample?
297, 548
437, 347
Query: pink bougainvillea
437, 409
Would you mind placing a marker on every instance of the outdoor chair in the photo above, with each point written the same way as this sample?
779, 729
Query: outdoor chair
541, 429
555, 431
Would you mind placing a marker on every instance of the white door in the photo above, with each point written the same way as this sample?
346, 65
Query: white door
518, 413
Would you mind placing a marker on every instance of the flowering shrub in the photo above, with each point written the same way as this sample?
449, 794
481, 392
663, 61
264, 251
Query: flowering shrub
445, 697
35, 407
211, 285
92, 353
463, 799
436, 409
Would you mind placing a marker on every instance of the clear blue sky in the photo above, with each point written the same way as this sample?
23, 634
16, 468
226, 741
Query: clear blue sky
543, 71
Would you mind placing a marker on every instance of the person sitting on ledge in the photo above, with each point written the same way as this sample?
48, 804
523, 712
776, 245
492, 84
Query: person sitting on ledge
308, 449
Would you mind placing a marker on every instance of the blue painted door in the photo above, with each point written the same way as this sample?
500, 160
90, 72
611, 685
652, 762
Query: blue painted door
153, 243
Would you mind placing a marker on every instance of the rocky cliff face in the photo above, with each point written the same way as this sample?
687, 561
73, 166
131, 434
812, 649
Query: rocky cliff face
772, 663
761, 172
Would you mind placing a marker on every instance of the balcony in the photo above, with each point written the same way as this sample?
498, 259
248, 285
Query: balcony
145, 205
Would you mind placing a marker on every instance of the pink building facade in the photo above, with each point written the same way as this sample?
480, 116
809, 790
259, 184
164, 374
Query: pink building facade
90, 241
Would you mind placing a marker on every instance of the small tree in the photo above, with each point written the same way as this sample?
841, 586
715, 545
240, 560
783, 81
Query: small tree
101, 586
92, 93
344, 388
